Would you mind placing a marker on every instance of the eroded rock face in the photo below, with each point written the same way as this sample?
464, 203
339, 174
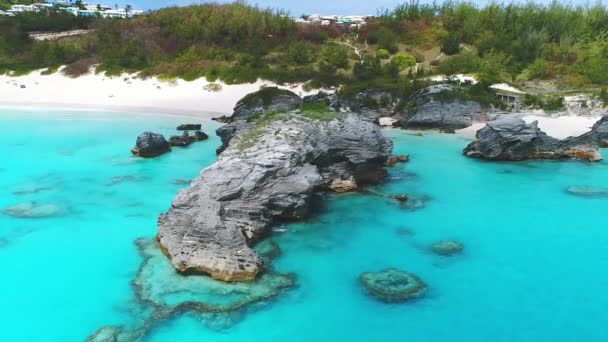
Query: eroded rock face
512, 139
436, 107
393, 285
268, 173
150, 145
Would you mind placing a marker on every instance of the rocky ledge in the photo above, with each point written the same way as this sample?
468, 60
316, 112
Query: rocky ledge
273, 163
513, 139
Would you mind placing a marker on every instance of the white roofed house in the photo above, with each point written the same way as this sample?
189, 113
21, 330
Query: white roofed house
508, 94
23, 8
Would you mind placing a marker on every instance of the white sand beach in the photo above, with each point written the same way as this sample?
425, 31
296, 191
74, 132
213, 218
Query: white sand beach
126, 93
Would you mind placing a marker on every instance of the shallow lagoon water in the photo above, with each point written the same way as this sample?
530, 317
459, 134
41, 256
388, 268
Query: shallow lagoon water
532, 269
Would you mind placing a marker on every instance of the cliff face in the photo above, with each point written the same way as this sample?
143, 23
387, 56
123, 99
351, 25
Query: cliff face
434, 108
271, 167
513, 140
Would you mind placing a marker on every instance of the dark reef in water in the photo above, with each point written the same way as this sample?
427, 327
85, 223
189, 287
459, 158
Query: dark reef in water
447, 247
393, 285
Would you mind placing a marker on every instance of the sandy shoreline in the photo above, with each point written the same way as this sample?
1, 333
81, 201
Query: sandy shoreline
129, 94
126, 93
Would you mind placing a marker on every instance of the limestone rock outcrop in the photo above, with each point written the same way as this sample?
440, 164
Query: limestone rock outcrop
513, 139
272, 164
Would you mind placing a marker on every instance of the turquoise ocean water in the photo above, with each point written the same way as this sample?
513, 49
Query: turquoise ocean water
533, 268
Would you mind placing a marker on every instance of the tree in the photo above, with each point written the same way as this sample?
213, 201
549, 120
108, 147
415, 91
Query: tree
335, 55
298, 53
451, 44
368, 69
128, 9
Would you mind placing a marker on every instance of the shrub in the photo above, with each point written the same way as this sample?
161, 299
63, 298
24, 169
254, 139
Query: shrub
403, 61
383, 54
335, 55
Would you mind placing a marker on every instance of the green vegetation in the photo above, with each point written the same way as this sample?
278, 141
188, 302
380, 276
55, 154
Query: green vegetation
266, 95
319, 111
235, 43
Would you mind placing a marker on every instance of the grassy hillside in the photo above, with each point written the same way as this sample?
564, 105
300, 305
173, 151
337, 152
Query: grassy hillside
560, 44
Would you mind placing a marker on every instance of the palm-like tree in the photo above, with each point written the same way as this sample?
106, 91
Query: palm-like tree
128, 9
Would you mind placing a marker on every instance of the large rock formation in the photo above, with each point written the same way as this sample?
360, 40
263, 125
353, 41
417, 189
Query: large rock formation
150, 145
438, 107
513, 139
272, 166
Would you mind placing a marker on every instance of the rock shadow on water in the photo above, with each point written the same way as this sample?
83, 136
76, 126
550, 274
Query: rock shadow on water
162, 294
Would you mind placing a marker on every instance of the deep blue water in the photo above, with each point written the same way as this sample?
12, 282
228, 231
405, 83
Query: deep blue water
533, 268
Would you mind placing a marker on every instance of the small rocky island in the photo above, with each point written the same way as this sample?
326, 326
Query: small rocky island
278, 152
513, 139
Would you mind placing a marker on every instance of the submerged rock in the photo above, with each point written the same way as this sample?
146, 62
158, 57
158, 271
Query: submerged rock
161, 294
393, 285
189, 127
34, 210
181, 181
158, 283
513, 139
29, 190
124, 179
270, 170
587, 191
150, 145
447, 247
